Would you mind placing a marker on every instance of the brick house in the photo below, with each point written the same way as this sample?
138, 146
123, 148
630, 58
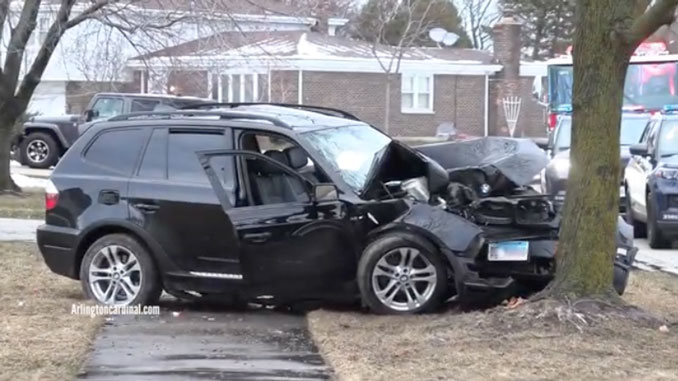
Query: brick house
432, 86
92, 56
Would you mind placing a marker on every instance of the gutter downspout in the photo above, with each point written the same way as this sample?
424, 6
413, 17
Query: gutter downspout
300, 88
487, 104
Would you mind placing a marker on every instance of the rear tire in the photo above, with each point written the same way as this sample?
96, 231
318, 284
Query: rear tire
655, 237
401, 273
39, 150
137, 281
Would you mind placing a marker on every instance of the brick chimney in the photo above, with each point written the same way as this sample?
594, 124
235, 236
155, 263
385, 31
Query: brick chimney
506, 85
507, 43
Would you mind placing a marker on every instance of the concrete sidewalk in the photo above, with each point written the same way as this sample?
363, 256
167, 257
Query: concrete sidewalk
13, 229
650, 259
206, 345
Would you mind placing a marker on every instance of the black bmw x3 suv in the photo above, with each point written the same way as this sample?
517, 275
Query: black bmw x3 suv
280, 204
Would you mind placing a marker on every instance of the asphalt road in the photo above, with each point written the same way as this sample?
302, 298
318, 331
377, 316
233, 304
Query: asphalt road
187, 342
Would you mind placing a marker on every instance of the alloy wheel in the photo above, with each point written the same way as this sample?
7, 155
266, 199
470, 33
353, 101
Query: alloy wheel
115, 275
37, 151
404, 279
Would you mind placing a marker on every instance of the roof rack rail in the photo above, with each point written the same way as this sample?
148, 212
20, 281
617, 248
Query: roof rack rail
320, 109
193, 113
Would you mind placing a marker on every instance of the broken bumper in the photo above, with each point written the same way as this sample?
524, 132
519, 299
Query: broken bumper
476, 277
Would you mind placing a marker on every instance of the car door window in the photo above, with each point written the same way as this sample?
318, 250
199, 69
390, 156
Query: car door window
144, 105
107, 107
154, 163
667, 140
117, 150
182, 160
651, 139
294, 156
268, 181
270, 184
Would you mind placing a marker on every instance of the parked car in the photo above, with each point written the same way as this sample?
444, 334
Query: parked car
651, 181
554, 177
282, 204
44, 139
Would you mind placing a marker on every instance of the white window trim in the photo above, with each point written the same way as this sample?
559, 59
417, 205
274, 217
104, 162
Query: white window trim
43, 23
415, 94
228, 97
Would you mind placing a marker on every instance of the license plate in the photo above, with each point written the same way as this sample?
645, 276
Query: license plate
622, 191
508, 251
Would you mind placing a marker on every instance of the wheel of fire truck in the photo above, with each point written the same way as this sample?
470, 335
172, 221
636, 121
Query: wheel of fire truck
401, 273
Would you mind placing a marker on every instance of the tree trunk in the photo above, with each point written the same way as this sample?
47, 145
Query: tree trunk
6, 135
587, 237
387, 105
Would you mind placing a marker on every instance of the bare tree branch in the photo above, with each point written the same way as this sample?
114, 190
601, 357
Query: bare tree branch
17, 45
88, 13
662, 12
4, 10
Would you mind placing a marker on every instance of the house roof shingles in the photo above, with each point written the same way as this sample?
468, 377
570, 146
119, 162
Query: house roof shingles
308, 44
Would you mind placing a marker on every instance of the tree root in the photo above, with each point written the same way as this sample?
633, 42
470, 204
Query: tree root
582, 313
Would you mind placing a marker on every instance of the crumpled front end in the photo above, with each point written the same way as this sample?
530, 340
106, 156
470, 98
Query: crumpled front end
519, 226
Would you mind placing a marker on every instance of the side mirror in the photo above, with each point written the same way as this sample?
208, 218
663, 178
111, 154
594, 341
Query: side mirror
639, 150
325, 192
90, 115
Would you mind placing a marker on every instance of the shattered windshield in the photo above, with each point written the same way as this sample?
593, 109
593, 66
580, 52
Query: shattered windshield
630, 133
350, 150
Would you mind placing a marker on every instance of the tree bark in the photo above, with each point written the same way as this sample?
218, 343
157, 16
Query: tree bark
387, 104
587, 237
6, 134
606, 34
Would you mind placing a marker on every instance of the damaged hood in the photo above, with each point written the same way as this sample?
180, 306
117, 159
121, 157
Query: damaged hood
517, 160
397, 161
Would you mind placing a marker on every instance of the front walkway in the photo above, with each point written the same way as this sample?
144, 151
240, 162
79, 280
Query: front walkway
206, 345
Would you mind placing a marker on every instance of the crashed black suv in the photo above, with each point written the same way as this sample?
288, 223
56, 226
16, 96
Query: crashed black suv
284, 204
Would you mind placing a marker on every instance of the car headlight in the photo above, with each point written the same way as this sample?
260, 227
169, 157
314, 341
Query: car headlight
562, 167
667, 173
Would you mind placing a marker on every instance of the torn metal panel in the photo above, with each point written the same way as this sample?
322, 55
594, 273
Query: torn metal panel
516, 160
456, 233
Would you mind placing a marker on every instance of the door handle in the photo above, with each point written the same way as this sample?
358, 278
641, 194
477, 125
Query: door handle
147, 208
257, 237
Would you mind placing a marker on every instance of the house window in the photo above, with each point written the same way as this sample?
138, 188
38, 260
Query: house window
417, 93
44, 23
243, 88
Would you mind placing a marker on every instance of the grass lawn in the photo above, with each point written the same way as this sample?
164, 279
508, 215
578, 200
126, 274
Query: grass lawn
30, 204
482, 345
39, 338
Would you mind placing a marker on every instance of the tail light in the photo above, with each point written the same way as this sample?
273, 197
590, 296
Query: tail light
553, 120
51, 195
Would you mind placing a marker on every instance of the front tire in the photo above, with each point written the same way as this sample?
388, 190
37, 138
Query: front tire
39, 150
401, 273
655, 237
118, 270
